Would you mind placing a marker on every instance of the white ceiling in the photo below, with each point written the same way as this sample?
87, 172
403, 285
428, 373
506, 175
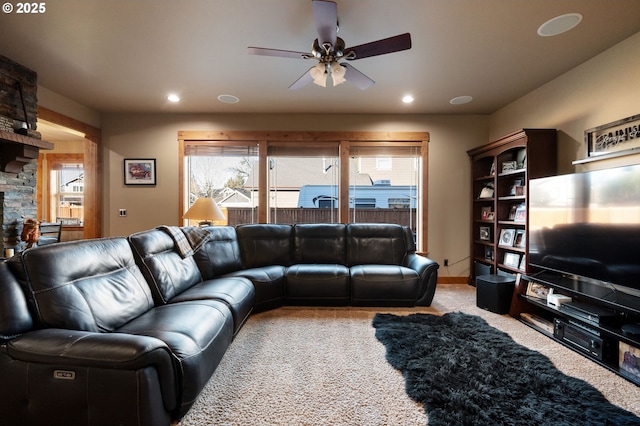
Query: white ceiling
126, 56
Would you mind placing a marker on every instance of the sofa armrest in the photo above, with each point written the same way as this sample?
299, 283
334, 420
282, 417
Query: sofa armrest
428, 271
117, 351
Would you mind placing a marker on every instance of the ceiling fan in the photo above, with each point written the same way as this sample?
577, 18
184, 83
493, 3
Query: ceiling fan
328, 49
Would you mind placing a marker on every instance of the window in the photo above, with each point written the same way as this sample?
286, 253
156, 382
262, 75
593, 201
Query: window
384, 163
308, 177
399, 203
364, 203
66, 182
384, 184
303, 184
226, 173
326, 202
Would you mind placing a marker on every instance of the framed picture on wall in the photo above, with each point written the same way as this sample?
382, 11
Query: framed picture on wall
139, 171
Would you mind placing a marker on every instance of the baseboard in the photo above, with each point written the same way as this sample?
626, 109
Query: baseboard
453, 280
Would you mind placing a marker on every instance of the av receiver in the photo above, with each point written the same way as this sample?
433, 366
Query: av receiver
582, 339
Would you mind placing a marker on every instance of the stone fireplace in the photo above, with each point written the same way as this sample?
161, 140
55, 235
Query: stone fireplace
19, 147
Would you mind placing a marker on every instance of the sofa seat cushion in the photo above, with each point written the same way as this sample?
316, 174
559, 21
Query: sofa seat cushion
384, 285
236, 292
268, 282
197, 333
317, 284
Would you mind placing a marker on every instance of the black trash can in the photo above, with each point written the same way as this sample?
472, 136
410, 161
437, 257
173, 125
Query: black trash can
494, 292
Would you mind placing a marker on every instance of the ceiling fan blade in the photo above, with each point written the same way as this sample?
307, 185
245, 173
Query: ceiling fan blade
355, 77
277, 52
325, 15
379, 47
303, 80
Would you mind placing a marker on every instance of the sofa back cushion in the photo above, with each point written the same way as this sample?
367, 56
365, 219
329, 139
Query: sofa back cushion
375, 243
91, 285
265, 244
167, 273
320, 243
220, 254
15, 317
409, 239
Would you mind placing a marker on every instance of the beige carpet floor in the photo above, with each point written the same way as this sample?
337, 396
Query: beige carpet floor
324, 366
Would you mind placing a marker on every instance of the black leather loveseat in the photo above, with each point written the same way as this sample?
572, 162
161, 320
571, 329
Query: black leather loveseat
127, 331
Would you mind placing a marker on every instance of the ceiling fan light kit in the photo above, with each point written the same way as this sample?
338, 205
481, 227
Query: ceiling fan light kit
328, 49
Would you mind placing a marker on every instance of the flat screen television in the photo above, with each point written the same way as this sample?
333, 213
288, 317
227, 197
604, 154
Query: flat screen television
584, 231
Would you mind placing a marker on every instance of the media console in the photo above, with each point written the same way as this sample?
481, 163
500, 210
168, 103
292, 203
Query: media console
600, 322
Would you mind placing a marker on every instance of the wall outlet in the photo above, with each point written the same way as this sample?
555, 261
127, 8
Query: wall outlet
122, 212
446, 262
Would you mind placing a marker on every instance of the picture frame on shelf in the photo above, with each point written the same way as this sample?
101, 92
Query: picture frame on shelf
512, 212
506, 237
485, 233
520, 240
521, 213
490, 216
629, 360
516, 186
139, 171
523, 263
509, 166
511, 259
486, 191
612, 139
484, 213
537, 290
488, 253
492, 171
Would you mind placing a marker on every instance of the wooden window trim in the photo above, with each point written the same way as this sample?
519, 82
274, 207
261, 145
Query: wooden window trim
345, 142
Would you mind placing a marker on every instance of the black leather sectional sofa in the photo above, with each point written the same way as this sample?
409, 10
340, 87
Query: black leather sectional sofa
127, 331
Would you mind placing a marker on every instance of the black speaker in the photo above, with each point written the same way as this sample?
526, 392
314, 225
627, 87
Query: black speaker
494, 292
480, 268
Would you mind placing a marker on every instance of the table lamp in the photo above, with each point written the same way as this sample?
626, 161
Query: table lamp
206, 210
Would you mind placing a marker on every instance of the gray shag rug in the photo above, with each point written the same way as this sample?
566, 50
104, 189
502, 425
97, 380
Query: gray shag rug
466, 372
324, 366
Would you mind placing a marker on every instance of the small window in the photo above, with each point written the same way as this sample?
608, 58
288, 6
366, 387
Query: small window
365, 203
399, 203
67, 194
384, 163
327, 202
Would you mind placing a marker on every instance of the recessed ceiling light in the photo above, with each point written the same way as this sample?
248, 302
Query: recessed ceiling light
559, 24
459, 100
228, 99
173, 98
407, 99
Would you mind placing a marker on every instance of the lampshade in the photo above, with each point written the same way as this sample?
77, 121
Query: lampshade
337, 73
204, 209
319, 74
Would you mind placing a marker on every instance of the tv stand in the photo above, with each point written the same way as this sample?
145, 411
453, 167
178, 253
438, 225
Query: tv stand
603, 325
